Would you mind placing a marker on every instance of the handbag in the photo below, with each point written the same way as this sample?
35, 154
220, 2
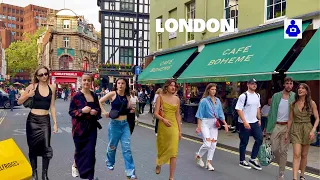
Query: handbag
265, 154
161, 113
218, 125
114, 114
29, 102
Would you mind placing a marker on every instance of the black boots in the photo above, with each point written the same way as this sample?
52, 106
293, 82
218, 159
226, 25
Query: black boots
45, 166
33, 162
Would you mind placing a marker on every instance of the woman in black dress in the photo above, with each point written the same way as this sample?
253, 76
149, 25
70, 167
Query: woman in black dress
38, 127
85, 112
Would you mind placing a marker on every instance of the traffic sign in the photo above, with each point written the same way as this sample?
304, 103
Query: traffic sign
138, 70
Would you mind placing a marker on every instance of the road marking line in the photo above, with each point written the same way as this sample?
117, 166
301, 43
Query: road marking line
236, 153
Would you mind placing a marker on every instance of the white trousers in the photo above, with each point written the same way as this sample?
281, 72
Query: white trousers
209, 133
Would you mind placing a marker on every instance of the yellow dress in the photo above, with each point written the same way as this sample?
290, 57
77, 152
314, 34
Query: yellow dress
168, 137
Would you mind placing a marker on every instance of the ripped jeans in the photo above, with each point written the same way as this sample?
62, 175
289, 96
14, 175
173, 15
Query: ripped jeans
119, 130
209, 133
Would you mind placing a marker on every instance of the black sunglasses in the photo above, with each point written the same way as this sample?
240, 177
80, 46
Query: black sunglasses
43, 74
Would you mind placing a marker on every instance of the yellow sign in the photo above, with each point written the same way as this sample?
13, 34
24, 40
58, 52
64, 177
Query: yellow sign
13, 164
164, 66
239, 55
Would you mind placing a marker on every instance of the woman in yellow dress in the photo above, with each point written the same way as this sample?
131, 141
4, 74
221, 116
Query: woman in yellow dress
169, 127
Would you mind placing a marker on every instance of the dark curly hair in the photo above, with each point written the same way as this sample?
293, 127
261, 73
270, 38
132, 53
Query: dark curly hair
307, 102
126, 90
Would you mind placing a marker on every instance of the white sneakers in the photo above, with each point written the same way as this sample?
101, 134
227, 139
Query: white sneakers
201, 164
199, 161
75, 172
209, 167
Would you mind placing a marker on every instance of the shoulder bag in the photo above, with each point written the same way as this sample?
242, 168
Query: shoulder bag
161, 113
29, 102
113, 114
218, 125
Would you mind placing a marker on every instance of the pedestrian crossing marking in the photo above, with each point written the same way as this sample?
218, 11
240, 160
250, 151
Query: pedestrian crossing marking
236, 153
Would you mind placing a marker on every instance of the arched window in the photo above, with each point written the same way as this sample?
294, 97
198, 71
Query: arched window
65, 62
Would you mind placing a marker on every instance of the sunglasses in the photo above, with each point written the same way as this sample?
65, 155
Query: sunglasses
43, 74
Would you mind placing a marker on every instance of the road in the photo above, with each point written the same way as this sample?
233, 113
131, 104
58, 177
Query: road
144, 153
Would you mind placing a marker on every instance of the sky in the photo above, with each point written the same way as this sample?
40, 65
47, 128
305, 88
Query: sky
87, 8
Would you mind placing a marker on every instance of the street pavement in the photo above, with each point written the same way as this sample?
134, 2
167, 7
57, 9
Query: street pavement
143, 148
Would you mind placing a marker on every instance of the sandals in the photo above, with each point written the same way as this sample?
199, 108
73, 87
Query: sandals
158, 169
302, 178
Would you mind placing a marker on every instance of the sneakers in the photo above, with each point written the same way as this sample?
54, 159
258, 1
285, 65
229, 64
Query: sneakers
199, 161
110, 167
75, 172
209, 167
281, 176
255, 164
245, 164
132, 177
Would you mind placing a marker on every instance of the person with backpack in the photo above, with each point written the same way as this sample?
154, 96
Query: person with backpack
248, 108
277, 123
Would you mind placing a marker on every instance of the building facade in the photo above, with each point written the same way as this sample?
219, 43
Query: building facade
70, 48
230, 58
3, 64
245, 14
23, 19
6, 35
124, 41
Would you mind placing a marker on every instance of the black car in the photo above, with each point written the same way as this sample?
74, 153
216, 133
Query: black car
4, 100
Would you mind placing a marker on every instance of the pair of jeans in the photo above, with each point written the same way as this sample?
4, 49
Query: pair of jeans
244, 135
11, 104
209, 135
119, 131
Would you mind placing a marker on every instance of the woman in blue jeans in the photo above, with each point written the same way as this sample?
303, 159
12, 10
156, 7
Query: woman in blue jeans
119, 129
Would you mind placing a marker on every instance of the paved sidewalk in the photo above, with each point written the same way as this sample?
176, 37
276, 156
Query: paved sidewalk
231, 140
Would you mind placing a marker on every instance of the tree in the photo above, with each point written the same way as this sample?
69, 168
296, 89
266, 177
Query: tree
22, 55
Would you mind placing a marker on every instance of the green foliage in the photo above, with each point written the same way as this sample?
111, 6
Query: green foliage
22, 55
96, 83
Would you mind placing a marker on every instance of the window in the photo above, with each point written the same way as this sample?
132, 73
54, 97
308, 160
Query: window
159, 37
126, 30
126, 55
66, 24
65, 42
191, 14
13, 33
4, 9
231, 11
65, 62
127, 5
275, 9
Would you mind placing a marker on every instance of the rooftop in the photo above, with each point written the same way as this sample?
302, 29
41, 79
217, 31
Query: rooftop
66, 12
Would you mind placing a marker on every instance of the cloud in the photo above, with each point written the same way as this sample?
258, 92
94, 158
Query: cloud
88, 9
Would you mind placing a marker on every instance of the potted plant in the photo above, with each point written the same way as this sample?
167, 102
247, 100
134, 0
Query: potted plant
108, 65
117, 66
122, 65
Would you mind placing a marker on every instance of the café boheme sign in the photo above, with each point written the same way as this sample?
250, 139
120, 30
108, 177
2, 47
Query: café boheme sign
232, 56
164, 66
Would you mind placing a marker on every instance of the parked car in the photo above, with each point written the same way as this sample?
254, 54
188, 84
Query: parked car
4, 100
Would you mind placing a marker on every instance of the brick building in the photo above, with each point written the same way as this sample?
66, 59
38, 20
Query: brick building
23, 19
69, 48
6, 36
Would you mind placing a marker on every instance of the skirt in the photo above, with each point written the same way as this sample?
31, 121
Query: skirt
85, 153
38, 130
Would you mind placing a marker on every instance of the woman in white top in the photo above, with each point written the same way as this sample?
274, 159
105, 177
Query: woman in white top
158, 92
132, 116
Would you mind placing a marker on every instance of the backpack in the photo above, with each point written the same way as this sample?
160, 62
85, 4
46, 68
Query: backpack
234, 111
265, 154
245, 101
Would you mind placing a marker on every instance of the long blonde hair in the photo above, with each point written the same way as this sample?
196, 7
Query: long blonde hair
209, 86
159, 91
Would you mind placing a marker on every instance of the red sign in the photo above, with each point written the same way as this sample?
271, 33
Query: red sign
74, 74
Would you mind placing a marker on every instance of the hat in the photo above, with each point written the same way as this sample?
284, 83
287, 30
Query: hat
251, 81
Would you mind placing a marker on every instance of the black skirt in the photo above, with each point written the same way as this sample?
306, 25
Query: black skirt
38, 129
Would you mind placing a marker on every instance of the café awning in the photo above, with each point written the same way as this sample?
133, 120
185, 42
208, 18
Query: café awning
164, 67
307, 65
252, 56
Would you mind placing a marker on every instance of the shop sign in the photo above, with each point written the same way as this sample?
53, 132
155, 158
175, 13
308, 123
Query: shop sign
116, 73
164, 66
67, 74
238, 55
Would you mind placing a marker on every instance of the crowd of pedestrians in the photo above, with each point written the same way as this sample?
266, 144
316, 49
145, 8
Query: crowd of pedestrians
287, 118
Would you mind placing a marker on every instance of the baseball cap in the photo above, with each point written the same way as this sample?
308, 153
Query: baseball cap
251, 81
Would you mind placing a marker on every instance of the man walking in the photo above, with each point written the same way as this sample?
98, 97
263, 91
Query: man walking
277, 124
248, 107
12, 96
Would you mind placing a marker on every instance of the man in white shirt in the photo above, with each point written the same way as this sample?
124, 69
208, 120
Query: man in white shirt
248, 107
264, 114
